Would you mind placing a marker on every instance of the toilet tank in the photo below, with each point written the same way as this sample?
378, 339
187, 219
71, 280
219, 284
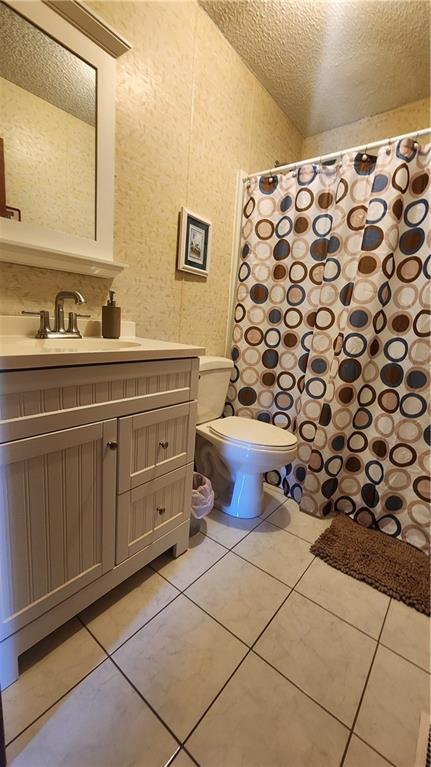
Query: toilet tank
214, 375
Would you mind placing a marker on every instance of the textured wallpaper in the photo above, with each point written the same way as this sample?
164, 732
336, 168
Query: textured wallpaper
189, 116
385, 125
49, 161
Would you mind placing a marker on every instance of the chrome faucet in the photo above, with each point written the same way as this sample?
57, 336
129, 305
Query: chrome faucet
59, 331
59, 311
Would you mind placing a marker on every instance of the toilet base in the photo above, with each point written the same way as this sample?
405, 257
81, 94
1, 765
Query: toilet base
247, 497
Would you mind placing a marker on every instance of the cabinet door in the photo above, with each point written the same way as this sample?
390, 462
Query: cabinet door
151, 510
57, 517
154, 443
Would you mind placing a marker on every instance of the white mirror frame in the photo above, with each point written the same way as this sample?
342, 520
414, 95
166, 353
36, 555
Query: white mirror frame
32, 245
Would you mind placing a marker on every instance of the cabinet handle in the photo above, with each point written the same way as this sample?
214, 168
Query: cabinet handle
112, 445
161, 509
164, 444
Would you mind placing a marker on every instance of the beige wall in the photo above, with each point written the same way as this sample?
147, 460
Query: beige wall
49, 162
402, 120
189, 116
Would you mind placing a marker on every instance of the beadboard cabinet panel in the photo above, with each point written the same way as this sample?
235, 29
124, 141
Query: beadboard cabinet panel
58, 517
154, 443
46, 400
151, 510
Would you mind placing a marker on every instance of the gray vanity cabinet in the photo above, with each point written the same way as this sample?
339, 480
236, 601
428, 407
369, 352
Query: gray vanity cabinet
95, 482
58, 517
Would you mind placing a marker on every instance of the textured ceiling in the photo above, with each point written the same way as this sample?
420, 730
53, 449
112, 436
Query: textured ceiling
331, 62
37, 63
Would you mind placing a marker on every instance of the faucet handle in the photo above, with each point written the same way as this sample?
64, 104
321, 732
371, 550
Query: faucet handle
44, 325
31, 314
73, 323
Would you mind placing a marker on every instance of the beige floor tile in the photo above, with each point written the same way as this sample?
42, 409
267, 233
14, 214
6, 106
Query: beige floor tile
397, 692
324, 656
262, 720
239, 595
290, 518
47, 671
408, 632
179, 662
282, 555
347, 597
116, 616
182, 760
101, 723
361, 755
203, 553
229, 530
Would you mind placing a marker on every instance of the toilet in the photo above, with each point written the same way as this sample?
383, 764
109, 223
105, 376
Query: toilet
247, 447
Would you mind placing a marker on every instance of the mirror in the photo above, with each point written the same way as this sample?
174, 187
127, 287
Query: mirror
47, 130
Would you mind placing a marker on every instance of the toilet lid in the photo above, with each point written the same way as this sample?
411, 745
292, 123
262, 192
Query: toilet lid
254, 432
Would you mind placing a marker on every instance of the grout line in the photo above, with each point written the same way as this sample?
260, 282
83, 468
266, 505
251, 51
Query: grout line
191, 756
304, 692
236, 669
214, 539
172, 757
261, 519
310, 543
282, 604
114, 662
138, 692
385, 758
364, 688
262, 569
216, 697
195, 579
403, 657
108, 652
39, 716
217, 621
344, 620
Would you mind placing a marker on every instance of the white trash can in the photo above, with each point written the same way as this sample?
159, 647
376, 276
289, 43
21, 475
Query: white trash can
202, 501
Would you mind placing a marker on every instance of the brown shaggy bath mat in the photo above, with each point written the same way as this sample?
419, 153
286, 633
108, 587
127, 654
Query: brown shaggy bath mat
387, 564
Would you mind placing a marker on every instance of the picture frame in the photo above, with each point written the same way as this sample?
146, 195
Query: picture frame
13, 213
194, 247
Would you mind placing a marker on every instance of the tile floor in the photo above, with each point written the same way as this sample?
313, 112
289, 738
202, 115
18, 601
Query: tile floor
244, 652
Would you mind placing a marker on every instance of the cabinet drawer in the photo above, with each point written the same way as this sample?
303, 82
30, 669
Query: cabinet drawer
151, 510
154, 443
46, 400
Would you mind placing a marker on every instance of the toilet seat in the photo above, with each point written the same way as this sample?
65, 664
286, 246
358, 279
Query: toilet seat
255, 433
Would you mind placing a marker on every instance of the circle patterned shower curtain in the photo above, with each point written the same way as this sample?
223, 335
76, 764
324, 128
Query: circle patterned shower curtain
332, 333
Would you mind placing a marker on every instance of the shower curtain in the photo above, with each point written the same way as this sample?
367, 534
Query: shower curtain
331, 338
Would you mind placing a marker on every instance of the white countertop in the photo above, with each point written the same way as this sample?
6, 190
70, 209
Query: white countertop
22, 351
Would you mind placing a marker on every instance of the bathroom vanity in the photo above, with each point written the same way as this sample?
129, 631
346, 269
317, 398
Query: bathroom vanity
96, 452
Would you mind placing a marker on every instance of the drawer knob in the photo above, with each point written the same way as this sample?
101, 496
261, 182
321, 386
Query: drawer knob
164, 444
112, 445
161, 509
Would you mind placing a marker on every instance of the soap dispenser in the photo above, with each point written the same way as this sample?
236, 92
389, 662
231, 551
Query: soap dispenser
111, 318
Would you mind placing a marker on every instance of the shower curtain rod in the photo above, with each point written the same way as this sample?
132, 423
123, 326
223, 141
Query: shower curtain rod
323, 158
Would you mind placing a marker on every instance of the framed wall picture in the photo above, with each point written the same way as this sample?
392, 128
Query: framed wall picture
13, 213
194, 243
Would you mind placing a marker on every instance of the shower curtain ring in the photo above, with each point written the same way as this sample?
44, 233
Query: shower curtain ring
389, 147
365, 156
